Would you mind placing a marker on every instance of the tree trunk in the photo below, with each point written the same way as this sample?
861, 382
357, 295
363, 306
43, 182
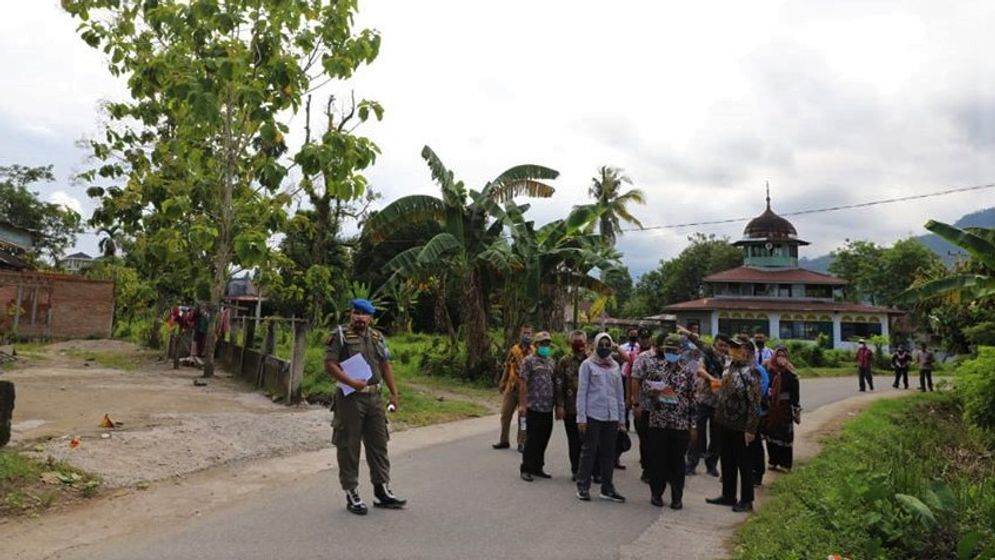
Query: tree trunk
443, 322
478, 342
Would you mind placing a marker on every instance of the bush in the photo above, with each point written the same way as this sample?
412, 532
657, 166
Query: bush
976, 384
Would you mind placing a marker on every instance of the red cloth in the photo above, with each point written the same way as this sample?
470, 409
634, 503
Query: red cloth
865, 357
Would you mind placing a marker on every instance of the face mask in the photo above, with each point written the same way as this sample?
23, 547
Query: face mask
544, 351
760, 344
632, 339
604, 352
671, 357
578, 346
526, 340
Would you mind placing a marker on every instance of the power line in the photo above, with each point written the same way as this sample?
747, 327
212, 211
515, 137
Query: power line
819, 210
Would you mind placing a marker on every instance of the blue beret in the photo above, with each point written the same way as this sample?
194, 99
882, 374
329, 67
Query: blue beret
363, 305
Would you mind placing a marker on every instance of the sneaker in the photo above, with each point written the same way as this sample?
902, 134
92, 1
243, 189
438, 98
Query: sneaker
354, 503
613, 496
504, 445
690, 471
386, 498
527, 477
677, 506
583, 495
713, 471
656, 501
743, 507
543, 474
721, 501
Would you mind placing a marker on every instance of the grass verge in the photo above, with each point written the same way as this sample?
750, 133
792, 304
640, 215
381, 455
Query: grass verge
127, 361
905, 479
28, 486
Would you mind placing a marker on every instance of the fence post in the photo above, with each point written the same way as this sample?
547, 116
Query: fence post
269, 345
297, 362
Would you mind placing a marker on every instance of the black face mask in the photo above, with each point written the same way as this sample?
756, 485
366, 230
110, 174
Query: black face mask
760, 344
632, 339
604, 352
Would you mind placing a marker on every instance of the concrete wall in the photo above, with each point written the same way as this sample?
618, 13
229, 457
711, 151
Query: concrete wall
66, 306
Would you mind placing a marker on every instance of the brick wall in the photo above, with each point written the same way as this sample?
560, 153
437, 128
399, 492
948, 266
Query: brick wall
80, 308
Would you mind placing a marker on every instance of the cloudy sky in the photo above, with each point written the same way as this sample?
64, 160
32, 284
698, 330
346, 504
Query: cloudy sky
701, 103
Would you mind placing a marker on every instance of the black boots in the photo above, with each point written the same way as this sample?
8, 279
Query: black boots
386, 498
354, 503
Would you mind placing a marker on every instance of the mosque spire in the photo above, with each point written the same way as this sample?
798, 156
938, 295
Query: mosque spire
768, 194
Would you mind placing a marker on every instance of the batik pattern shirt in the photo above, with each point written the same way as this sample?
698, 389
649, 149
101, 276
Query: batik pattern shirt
674, 407
739, 398
565, 382
537, 374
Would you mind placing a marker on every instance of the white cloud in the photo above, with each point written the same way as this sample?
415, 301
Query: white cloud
66, 200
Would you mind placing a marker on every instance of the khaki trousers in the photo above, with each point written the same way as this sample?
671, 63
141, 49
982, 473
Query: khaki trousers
360, 418
508, 407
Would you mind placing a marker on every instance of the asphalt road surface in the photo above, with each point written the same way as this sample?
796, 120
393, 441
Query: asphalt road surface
466, 501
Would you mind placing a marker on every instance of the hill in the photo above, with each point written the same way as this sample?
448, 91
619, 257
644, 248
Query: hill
946, 251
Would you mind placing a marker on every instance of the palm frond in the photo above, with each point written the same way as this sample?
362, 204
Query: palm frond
978, 246
403, 212
503, 192
971, 285
436, 249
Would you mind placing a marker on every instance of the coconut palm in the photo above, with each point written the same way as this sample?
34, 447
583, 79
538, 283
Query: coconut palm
111, 242
972, 285
468, 232
606, 189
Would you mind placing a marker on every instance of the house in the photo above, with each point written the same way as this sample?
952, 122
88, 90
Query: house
770, 293
77, 263
14, 243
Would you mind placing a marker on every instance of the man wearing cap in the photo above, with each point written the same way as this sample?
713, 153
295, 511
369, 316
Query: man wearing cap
865, 358
713, 363
736, 418
360, 416
536, 398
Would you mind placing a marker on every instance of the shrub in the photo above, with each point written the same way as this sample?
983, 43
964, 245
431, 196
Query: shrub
976, 384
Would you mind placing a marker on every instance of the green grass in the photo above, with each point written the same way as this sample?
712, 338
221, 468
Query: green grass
23, 490
905, 479
128, 361
425, 399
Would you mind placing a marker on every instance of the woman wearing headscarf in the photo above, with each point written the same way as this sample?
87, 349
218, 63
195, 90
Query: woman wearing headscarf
600, 411
784, 410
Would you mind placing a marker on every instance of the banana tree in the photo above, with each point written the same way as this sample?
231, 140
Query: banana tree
468, 232
966, 286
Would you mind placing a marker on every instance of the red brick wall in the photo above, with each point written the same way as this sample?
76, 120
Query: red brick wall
80, 308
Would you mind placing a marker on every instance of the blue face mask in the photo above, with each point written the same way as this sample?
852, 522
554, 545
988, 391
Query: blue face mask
671, 357
544, 351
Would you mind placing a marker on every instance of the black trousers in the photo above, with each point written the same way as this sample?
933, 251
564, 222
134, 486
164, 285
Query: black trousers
925, 376
667, 450
865, 378
736, 460
573, 442
538, 428
599, 443
902, 373
642, 427
780, 455
705, 447
757, 459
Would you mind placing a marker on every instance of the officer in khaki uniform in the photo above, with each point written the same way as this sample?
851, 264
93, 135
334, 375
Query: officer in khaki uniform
360, 417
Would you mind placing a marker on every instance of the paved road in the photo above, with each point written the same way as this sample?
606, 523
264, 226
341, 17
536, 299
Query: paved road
466, 501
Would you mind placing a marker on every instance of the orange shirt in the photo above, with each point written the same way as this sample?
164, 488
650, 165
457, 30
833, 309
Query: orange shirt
512, 364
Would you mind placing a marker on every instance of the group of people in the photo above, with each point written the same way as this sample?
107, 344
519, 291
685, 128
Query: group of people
689, 402
901, 361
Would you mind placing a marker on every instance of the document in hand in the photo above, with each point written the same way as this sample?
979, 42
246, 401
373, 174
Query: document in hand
356, 368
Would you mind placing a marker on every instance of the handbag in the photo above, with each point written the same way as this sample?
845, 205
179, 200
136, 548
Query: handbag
623, 443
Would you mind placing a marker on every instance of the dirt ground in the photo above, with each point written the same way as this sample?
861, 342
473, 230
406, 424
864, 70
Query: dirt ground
168, 427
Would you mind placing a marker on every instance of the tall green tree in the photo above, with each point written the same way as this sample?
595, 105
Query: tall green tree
878, 274
468, 231
213, 84
54, 226
606, 189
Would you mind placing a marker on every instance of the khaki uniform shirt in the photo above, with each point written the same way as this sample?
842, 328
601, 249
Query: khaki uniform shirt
371, 344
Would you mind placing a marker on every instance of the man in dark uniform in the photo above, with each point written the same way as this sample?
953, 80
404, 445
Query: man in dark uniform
360, 416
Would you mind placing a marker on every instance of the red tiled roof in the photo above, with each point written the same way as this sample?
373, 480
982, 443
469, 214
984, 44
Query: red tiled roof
780, 304
776, 276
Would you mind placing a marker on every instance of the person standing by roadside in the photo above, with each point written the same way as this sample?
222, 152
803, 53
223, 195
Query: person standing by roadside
641, 421
736, 417
865, 360
667, 396
925, 360
785, 411
900, 363
600, 406
763, 353
565, 383
535, 404
713, 363
360, 416
509, 388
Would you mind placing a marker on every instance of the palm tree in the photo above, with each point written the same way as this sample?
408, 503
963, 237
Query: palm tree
467, 233
109, 244
606, 189
967, 286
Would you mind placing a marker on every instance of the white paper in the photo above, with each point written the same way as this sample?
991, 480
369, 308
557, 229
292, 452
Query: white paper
355, 368
657, 385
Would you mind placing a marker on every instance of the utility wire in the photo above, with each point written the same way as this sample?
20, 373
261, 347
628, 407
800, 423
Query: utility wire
819, 210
